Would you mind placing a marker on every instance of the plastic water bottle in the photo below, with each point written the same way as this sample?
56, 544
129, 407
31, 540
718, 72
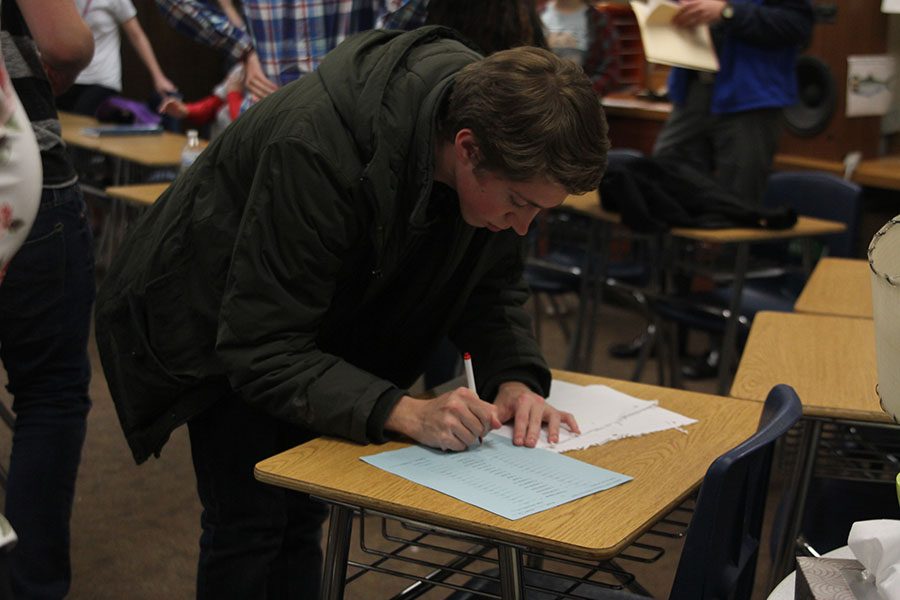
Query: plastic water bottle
191, 149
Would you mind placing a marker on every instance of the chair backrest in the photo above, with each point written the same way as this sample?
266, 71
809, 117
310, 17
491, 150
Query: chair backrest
718, 561
822, 195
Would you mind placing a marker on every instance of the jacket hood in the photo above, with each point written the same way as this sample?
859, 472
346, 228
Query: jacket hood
387, 87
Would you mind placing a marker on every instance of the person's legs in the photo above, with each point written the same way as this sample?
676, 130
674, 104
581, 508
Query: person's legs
686, 136
258, 540
45, 313
745, 145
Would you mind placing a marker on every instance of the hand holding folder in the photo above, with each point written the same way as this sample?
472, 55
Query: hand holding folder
668, 44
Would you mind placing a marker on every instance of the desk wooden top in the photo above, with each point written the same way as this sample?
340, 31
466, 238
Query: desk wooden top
796, 162
629, 105
830, 361
144, 193
162, 150
589, 204
666, 467
883, 172
72, 125
840, 287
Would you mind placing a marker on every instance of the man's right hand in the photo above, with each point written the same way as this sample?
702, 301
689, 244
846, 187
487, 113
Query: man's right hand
452, 421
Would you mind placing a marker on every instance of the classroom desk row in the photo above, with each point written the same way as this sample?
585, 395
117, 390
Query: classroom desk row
826, 351
740, 237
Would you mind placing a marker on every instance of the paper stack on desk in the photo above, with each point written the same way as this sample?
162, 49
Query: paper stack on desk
603, 414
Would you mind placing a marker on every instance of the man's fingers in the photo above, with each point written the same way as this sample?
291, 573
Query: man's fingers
553, 426
569, 420
535, 420
520, 426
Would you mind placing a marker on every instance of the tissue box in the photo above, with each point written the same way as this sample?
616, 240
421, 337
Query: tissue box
828, 579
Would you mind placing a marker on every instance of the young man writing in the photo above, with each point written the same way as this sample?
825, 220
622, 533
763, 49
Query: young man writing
293, 281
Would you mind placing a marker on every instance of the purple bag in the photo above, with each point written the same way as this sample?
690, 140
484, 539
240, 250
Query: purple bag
117, 109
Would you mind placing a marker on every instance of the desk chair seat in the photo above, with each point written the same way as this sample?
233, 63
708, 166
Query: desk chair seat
718, 561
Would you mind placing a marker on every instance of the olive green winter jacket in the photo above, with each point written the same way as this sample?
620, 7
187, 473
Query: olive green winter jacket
308, 261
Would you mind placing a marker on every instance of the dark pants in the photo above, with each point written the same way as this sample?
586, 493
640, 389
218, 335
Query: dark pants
258, 541
45, 315
736, 149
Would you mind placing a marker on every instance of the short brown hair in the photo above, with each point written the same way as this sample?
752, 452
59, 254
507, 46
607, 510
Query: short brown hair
533, 115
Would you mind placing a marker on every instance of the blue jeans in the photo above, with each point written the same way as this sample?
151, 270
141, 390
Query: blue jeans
45, 315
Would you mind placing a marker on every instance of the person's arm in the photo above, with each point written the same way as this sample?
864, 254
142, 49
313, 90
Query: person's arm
144, 50
65, 42
770, 25
206, 26
212, 28
283, 274
403, 14
231, 12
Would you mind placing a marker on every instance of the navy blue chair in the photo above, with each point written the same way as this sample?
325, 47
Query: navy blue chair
718, 561
777, 286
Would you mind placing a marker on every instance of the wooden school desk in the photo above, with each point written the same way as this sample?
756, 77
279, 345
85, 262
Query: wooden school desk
154, 151
838, 286
666, 467
806, 227
142, 194
830, 362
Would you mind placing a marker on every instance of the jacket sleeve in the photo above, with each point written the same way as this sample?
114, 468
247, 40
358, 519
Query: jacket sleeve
295, 234
496, 329
206, 25
771, 24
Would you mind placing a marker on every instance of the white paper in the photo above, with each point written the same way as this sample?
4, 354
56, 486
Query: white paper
603, 415
667, 44
876, 544
870, 85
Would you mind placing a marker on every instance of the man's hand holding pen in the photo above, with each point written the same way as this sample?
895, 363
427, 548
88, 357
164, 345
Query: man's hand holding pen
452, 421
459, 419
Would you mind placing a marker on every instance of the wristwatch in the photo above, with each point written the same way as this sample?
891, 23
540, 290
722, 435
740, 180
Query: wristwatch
727, 11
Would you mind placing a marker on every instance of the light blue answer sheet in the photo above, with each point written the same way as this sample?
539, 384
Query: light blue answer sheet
510, 481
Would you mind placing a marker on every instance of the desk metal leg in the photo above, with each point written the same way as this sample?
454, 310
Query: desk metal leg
334, 575
579, 347
512, 584
782, 562
601, 270
729, 340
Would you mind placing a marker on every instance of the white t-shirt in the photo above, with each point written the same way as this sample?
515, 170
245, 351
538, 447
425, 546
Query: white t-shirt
104, 17
567, 32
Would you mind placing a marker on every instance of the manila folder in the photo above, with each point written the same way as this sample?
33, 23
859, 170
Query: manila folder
668, 44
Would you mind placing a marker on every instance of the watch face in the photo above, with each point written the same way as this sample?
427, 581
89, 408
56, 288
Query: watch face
727, 12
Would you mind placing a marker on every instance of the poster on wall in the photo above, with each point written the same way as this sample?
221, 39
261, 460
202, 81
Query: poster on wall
870, 85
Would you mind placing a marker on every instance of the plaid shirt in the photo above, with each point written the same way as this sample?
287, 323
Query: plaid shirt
290, 36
